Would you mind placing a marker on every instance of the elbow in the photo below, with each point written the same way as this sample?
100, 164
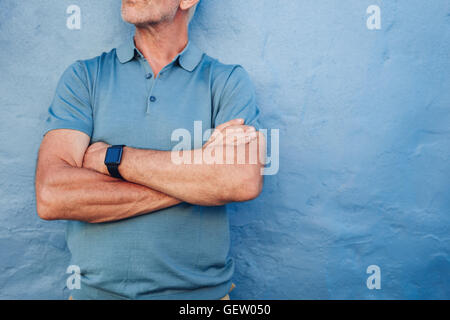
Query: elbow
247, 180
251, 182
44, 212
44, 206
249, 187
252, 190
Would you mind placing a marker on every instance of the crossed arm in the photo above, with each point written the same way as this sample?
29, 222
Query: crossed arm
72, 182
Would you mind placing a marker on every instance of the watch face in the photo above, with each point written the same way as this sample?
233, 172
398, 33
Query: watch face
113, 156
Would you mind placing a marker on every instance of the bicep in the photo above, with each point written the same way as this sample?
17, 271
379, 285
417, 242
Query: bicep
63, 146
70, 121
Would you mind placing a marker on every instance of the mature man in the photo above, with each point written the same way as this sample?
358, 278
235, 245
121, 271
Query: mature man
143, 226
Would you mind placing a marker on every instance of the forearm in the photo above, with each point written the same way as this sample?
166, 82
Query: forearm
72, 193
202, 184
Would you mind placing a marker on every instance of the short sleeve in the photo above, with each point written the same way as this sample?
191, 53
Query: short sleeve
71, 106
238, 100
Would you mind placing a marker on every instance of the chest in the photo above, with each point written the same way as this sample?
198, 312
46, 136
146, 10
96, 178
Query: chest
143, 112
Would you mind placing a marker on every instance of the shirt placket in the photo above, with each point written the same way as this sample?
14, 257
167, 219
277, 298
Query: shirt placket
151, 82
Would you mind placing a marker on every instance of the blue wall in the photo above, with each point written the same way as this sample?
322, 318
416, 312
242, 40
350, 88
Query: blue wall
364, 119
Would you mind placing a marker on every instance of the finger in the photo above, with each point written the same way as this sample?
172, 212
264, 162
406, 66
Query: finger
223, 126
231, 139
237, 121
250, 129
239, 129
251, 137
245, 140
241, 138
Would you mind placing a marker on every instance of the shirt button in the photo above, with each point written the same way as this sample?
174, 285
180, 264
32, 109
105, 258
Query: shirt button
148, 75
152, 98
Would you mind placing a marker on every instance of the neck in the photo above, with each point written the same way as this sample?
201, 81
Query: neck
160, 43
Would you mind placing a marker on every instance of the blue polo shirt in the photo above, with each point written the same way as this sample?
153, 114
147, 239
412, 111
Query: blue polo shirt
181, 252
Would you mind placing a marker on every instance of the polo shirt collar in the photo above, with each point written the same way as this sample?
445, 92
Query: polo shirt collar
188, 59
125, 52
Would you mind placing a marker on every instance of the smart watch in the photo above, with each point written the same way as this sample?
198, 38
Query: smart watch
112, 160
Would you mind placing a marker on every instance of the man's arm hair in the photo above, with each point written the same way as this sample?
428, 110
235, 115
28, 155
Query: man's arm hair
65, 190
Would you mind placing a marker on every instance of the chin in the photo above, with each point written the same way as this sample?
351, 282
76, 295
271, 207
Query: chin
136, 13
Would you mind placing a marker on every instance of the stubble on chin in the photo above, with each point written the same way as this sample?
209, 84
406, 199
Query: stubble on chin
136, 12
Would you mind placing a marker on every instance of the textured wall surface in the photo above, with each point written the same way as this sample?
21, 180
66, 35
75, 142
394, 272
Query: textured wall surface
364, 119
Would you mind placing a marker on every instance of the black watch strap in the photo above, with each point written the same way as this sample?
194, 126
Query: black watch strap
113, 170
113, 159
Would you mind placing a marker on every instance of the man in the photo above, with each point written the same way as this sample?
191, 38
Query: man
143, 226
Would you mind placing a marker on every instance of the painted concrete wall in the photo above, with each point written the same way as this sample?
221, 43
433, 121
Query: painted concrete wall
364, 120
